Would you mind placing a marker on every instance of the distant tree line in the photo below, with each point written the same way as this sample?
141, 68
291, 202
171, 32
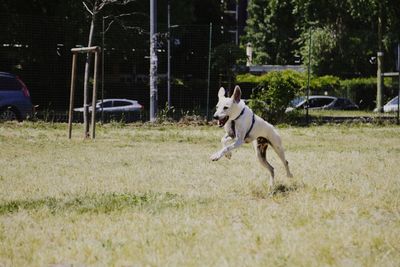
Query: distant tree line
36, 37
344, 34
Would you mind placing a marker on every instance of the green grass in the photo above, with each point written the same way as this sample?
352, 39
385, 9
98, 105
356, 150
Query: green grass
350, 113
142, 195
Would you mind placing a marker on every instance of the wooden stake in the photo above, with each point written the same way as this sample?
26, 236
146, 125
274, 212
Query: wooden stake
94, 95
72, 93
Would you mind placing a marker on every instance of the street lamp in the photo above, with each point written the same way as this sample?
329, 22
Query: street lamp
153, 61
308, 75
169, 55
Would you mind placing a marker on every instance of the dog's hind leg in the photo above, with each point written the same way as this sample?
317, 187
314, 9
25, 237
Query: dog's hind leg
281, 153
260, 146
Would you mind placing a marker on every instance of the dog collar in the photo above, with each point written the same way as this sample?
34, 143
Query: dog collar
241, 113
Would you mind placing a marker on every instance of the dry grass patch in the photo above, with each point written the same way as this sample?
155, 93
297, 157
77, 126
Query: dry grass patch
149, 196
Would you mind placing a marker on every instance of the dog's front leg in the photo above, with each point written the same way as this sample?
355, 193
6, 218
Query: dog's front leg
224, 141
216, 156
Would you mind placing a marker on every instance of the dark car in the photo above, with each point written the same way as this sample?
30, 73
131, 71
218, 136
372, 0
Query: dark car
15, 100
323, 102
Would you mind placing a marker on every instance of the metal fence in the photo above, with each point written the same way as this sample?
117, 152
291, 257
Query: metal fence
39, 51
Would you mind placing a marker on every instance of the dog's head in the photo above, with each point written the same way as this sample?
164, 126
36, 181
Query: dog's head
228, 107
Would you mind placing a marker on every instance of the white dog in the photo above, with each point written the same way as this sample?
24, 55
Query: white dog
243, 126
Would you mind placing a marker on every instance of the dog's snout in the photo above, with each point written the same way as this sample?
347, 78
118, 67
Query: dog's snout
216, 117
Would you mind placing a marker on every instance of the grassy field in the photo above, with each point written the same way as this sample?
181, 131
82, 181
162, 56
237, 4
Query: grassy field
149, 196
349, 113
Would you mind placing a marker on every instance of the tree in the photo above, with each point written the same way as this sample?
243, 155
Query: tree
93, 7
340, 43
349, 31
344, 33
225, 58
271, 30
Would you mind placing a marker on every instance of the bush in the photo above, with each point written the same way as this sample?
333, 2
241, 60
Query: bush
249, 78
284, 86
328, 83
363, 91
278, 89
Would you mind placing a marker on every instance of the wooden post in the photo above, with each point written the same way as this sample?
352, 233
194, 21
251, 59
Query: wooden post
72, 94
94, 95
96, 50
398, 80
398, 96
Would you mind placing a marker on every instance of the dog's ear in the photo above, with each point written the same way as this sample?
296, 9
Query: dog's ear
237, 94
221, 92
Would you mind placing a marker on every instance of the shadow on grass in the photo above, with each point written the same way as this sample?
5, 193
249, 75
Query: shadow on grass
97, 203
279, 190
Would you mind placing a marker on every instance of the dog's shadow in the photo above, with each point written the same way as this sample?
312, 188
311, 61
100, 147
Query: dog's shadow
278, 190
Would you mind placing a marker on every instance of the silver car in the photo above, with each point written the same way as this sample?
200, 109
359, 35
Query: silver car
115, 105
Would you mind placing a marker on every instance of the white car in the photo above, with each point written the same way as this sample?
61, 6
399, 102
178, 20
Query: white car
115, 105
392, 105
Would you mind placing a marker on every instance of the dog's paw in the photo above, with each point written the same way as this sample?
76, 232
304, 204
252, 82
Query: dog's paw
228, 155
216, 156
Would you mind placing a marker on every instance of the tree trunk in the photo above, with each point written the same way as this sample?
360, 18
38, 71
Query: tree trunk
86, 79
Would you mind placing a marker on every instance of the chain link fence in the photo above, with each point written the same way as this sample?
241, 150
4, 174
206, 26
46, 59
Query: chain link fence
38, 50
40, 54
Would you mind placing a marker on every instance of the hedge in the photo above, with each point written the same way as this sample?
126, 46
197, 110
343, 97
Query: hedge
361, 90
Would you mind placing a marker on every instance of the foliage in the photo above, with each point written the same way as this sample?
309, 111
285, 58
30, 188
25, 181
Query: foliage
324, 41
248, 78
278, 89
271, 29
344, 33
363, 91
225, 57
327, 84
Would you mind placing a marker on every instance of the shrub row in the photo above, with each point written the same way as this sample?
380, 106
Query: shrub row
271, 93
361, 90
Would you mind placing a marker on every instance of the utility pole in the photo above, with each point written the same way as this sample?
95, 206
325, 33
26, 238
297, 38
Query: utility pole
102, 69
153, 60
169, 57
379, 82
398, 93
209, 72
308, 77
237, 23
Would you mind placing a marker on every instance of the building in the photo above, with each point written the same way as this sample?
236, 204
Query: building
233, 18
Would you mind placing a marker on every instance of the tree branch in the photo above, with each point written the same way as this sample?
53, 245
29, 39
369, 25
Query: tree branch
121, 22
117, 2
87, 8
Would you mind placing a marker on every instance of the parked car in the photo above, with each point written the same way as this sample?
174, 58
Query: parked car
322, 102
15, 100
117, 108
392, 105
115, 105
